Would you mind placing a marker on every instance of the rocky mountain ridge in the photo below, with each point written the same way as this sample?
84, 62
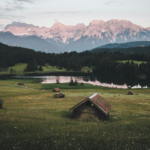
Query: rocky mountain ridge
80, 37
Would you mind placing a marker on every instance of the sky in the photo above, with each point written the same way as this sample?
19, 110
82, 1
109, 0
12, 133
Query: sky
71, 12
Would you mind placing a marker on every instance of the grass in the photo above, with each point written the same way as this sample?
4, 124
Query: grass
136, 62
87, 69
19, 68
33, 119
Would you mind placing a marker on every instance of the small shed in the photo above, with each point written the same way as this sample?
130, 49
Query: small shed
21, 83
59, 95
94, 108
56, 90
1, 102
130, 93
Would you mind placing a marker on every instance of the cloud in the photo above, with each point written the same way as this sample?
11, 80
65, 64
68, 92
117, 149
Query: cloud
112, 2
7, 17
28, 1
12, 7
56, 20
67, 12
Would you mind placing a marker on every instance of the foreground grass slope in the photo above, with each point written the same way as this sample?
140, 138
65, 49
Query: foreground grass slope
35, 120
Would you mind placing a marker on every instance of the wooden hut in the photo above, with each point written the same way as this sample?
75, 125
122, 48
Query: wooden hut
130, 93
1, 102
94, 108
21, 83
59, 95
56, 90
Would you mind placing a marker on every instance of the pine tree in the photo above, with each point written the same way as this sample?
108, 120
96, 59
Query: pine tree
76, 82
11, 70
71, 81
40, 68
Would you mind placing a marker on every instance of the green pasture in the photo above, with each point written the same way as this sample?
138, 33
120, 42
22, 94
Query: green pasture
136, 62
19, 69
31, 119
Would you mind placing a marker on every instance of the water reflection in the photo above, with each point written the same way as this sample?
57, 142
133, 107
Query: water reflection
65, 79
104, 81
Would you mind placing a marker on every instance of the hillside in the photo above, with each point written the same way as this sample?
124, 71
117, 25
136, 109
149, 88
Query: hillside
31, 42
126, 45
130, 50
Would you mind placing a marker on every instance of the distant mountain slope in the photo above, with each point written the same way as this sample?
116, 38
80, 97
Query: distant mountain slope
131, 50
126, 45
31, 42
80, 37
148, 28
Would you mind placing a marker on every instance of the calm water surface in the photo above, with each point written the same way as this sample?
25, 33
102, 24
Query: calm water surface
80, 79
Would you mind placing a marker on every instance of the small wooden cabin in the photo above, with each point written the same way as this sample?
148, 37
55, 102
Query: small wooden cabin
56, 90
130, 93
1, 102
59, 95
21, 83
94, 108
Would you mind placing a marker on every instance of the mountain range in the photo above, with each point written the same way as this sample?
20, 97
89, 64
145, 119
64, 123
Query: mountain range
31, 42
79, 37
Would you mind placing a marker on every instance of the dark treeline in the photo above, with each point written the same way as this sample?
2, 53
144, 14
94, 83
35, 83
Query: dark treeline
128, 69
103, 63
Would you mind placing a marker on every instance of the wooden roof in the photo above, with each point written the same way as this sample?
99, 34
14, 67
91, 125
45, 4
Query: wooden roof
1, 102
97, 101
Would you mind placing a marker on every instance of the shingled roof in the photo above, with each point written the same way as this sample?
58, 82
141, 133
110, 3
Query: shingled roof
97, 101
130, 92
1, 102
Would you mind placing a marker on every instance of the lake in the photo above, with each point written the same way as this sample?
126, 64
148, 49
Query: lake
100, 81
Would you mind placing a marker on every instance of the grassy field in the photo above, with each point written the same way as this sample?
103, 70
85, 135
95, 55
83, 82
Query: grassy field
21, 66
136, 62
19, 69
31, 119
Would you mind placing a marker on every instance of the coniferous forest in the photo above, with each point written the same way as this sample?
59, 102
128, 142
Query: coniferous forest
103, 63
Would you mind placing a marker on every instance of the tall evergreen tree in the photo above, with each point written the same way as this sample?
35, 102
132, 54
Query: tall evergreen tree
40, 68
11, 70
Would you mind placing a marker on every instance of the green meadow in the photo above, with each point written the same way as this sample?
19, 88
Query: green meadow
19, 69
31, 119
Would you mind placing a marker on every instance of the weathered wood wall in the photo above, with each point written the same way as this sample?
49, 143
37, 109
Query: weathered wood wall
88, 112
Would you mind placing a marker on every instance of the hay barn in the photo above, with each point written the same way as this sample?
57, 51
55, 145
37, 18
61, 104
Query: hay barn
94, 108
130, 93
21, 83
56, 90
59, 95
1, 102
